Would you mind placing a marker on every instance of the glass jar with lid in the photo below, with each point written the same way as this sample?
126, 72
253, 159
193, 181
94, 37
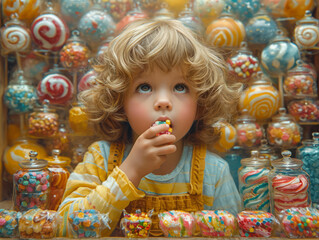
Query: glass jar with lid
249, 133
289, 184
304, 110
253, 182
309, 154
60, 169
79, 121
266, 151
32, 184
43, 122
283, 131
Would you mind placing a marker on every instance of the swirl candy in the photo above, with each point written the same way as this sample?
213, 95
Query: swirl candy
49, 31
87, 81
176, 223
25, 9
9, 223
227, 136
56, 88
218, 223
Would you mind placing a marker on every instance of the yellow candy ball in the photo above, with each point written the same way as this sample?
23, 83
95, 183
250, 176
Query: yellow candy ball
227, 138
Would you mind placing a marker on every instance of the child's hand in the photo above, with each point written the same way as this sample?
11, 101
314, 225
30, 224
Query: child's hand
148, 153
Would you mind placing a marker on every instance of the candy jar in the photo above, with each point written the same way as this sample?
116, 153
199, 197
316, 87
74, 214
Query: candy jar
43, 122
49, 31
78, 154
20, 96
308, 152
208, 10
242, 65
190, 20
61, 141
9, 223
163, 13
79, 121
266, 151
59, 167
75, 54
299, 81
261, 28
283, 131
253, 182
244, 10
225, 31
289, 184
87, 80
26, 10
55, 87
136, 225
32, 184
304, 110
260, 98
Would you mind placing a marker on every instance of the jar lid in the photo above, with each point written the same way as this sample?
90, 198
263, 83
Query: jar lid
45, 107
308, 19
33, 162
299, 68
20, 79
261, 79
76, 38
287, 161
283, 116
56, 159
265, 148
244, 117
255, 161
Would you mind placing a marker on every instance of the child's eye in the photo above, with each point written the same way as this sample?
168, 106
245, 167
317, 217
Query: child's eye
144, 88
181, 88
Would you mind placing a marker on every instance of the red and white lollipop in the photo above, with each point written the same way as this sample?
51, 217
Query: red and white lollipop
56, 88
87, 81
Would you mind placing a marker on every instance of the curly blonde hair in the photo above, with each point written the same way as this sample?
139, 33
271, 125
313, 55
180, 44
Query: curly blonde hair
165, 44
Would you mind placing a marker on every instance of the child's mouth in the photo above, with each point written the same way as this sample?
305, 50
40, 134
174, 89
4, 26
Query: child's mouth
167, 121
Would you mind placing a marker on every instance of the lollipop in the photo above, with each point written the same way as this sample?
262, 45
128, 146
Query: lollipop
208, 10
25, 9
118, 8
49, 31
55, 87
87, 81
227, 136
225, 32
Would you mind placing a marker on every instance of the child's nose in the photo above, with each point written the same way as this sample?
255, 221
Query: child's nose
163, 102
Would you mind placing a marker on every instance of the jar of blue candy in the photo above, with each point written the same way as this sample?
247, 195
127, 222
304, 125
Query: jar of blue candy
309, 154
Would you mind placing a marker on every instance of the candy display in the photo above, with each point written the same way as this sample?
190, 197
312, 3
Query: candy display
283, 131
56, 88
190, 20
19, 151
25, 9
253, 182
227, 136
218, 223
243, 64
256, 224
225, 32
85, 223
136, 225
208, 10
260, 98
49, 31
78, 120
131, 16
249, 133
32, 184
306, 32
289, 184
95, 26
177, 223
9, 223
39, 224
261, 28
279, 55
87, 80
168, 122
306, 110
300, 222
309, 154
244, 10
75, 54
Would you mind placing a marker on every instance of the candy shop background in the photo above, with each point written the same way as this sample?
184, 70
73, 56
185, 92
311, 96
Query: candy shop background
272, 46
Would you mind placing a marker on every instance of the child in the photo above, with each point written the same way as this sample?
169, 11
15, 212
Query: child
154, 71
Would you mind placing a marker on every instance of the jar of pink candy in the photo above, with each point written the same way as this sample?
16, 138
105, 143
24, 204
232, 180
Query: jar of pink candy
283, 131
31, 184
304, 110
249, 133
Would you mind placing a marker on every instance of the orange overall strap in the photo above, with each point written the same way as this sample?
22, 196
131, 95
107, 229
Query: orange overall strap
197, 170
115, 157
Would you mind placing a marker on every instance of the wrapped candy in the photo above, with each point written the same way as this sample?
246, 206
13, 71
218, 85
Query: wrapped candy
208, 10
177, 223
218, 223
289, 184
39, 224
136, 225
227, 136
190, 20
25, 9
87, 80
304, 110
9, 223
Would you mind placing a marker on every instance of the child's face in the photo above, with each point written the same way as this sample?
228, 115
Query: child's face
156, 96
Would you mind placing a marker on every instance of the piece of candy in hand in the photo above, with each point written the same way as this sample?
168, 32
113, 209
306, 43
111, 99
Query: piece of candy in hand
167, 121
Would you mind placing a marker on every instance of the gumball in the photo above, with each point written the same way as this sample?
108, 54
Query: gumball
118, 8
227, 136
75, 54
244, 10
25, 9
56, 88
208, 10
49, 31
19, 152
95, 26
261, 99
87, 81
306, 32
176, 6
15, 37
225, 32
261, 28
131, 16
190, 20
279, 56
73, 10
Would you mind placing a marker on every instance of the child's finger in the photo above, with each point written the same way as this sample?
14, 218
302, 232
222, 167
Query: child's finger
154, 130
165, 150
163, 139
